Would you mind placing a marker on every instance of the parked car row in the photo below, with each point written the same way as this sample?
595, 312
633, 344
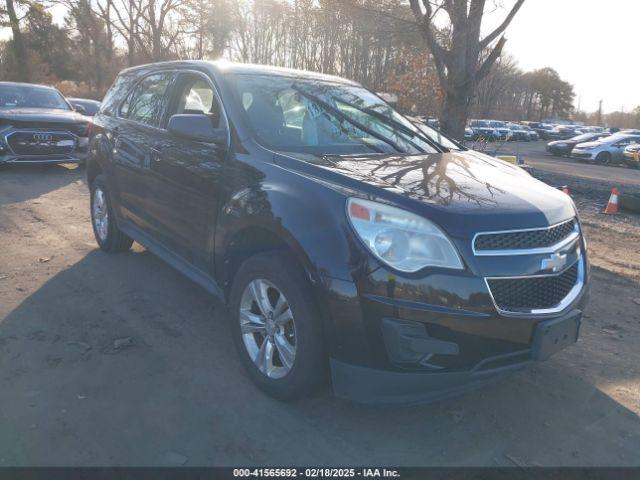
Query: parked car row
601, 148
608, 149
549, 131
563, 148
497, 130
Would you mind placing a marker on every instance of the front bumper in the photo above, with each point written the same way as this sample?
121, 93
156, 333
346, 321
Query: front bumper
78, 157
582, 155
555, 150
398, 340
631, 159
61, 146
382, 387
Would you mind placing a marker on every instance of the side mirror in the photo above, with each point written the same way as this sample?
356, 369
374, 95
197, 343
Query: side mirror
80, 109
197, 127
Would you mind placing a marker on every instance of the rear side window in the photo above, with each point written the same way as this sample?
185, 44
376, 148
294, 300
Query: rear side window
116, 94
147, 101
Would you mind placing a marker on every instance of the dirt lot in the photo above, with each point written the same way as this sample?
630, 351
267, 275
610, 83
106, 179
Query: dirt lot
119, 360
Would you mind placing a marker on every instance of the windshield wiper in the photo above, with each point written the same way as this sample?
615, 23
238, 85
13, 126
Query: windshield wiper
394, 123
337, 113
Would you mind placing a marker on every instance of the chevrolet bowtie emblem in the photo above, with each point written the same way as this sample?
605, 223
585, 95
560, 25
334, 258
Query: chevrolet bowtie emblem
555, 262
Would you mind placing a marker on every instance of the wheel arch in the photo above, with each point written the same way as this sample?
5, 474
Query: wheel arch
259, 239
98, 156
252, 240
93, 170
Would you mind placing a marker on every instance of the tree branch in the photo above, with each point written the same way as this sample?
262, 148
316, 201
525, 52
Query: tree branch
439, 54
484, 43
485, 68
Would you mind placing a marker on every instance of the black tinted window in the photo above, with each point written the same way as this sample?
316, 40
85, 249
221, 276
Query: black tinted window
146, 103
116, 94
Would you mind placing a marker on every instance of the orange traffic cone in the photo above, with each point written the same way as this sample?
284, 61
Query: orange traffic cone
612, 206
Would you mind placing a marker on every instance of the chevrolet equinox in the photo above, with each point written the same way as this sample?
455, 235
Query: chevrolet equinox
346, 243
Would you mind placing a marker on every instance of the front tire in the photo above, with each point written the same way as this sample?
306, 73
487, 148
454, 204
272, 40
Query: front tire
276, 328
109, 237
603, 158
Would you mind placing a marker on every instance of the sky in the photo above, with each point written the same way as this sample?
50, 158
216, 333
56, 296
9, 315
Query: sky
593, 44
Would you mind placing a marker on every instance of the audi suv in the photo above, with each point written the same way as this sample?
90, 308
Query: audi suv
38, 125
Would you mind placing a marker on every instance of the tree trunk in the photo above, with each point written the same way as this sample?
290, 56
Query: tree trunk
19, 50
131, 46
455, 114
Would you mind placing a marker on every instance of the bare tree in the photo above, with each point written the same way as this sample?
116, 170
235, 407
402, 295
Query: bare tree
457, 49
495, 89
19, 49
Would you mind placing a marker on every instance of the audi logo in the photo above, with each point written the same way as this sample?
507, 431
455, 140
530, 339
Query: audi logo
42, 137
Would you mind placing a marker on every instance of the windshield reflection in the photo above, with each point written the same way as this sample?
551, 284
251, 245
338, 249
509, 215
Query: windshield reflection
321, 117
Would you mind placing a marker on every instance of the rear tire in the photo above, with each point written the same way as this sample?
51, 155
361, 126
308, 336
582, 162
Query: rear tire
603, 158
282, 348
109, 237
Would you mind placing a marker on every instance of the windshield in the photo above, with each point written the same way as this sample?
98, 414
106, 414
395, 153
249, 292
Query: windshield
496, 124
616, 137
585, 137
311, 116
29, 96
438, 137
479, 123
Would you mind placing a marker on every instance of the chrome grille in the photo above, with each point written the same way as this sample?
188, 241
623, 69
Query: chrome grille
524, 240
533, 293
41, 143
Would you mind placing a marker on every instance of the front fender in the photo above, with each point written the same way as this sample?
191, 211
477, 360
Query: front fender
304, 215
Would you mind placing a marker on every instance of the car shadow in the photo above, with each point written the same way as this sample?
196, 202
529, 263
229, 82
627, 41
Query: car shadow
25, 182
119, 360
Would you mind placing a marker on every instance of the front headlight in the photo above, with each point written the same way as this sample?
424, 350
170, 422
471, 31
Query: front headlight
402, 240
561, 145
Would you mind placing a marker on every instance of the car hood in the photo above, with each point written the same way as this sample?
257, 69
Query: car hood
46, 115
463, 191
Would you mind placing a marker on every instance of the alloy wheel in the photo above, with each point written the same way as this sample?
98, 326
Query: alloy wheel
100, 214
268, 328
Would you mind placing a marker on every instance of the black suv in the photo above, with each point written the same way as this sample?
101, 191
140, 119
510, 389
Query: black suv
340, 236
38, 125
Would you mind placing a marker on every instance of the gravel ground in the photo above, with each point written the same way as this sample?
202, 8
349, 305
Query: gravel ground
119, 360
613, 240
